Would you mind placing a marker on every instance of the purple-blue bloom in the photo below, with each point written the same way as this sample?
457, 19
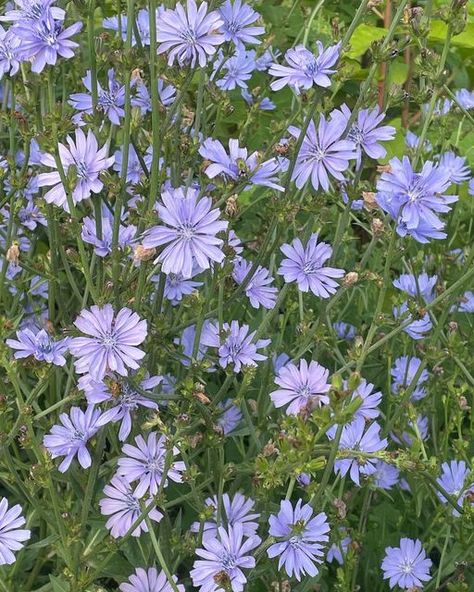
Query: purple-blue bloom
142, 98
238, 23
238, 165
44, 40
305, 265
237, 70
403, 373
301, 538
10, 52
235, 510
223, 558
323, 153
189, 234
70, 439
82, 162
370, 401
123, 507
103, 244
386, 476
355, 437
110, 101
112, 341
365, 132
455, 166
190, 35
406, 566
258, 289
466, 303
344, 330
416, 287
145, 463
40, 345
149, 580
419, 327
304, 69
415, 199
238, 347
304, 387
230, 416
123, 396
264, 104
12, 536
177, 286
455, 479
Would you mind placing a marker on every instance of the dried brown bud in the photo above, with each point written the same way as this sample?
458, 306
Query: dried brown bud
231, 207
463, 403
269, 449
195, 439
377, 226
141, 253
341, 509
282, 149
200, 395
384, 168
13, 254
136, 76
369, 200
188, 116
452, 326
253, 405
350, 278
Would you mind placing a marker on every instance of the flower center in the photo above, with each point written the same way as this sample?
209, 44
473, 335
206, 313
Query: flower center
311, 267
317, 153
406, 566
109, 340
132, 502
187, 231
189, 36
228, 561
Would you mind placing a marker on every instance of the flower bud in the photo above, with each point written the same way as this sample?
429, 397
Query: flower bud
350, 278
141, 253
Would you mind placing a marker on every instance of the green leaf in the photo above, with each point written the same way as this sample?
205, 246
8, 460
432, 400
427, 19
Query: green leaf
59, 584
439, 30
362, 39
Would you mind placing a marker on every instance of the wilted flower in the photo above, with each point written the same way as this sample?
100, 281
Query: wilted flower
406, 566
70, 438
301, 538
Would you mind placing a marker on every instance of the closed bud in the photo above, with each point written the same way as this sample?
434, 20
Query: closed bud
354, 381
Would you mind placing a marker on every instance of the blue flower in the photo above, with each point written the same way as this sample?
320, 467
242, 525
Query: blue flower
406, 566
223, 559
264, 104
305, 266
149, 581
455, 166
238, 347
10, 52
370, 401
417, 287
455, 479
110, 101
303, 387
238, 69
230, 416
403, 373
414, 199
239, 22
40, 346
12, 536
189, 230
70, 439
344, 330
323, 153
305, 69
301, 538
258, 290
386, 476
103, 244
142, 98
355, 437
44, 40
418, 328
190, 35
238, 165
